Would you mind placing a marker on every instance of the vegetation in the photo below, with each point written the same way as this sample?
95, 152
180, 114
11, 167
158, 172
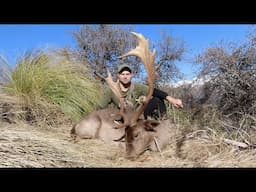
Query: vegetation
50, 83
102, 44
232, 70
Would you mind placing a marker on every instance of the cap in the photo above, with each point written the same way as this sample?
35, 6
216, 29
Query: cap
122, 67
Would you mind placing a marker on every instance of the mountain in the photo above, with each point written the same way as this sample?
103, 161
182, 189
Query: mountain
195, 82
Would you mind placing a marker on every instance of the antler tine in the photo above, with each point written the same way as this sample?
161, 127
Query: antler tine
113, 85
142, 44
158, 66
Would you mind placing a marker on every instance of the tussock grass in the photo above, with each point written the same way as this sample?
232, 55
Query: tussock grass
52, 85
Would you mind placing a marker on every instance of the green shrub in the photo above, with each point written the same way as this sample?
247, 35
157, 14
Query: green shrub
45, 81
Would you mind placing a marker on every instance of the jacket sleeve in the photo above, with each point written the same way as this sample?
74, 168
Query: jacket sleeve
142, 90
160, 94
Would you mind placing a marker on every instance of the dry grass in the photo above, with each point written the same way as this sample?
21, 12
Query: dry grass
10, 108
23, 145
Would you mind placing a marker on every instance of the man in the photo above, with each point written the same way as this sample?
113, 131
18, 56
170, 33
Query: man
133, 91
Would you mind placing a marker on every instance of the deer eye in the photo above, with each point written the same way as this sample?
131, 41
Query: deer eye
136, 135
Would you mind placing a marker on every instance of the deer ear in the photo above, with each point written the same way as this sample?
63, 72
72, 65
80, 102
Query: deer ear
151, 124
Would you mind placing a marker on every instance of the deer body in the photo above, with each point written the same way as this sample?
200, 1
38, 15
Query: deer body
98, 124
101, 125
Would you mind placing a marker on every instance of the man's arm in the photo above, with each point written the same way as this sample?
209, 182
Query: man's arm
142, 90
176, 102
159, 93
163, 95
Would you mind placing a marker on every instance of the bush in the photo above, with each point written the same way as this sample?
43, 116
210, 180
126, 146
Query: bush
53, 83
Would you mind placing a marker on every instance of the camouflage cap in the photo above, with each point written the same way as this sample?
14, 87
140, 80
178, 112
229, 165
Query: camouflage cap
122, 67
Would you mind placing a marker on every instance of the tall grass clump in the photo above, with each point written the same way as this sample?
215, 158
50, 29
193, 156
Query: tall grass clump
52, 83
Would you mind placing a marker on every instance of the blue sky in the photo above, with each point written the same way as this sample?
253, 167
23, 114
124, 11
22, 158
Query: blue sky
15, 39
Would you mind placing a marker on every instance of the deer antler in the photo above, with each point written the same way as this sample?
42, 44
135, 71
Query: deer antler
142, 51
159, 65
117, 92
112, 84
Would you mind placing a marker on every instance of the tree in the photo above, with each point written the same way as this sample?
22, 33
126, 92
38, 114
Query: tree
102, 44
168, 51
232, 69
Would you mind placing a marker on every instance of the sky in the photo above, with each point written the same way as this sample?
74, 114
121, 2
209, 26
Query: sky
16, 39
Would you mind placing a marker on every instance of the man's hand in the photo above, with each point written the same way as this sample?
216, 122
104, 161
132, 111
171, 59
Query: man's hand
176, 102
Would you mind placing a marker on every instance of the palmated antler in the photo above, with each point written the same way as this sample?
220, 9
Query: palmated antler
142, 51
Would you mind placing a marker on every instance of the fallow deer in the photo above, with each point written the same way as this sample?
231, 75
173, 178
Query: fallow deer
139, 134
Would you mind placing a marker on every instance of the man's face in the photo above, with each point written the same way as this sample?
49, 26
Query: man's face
125, 77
